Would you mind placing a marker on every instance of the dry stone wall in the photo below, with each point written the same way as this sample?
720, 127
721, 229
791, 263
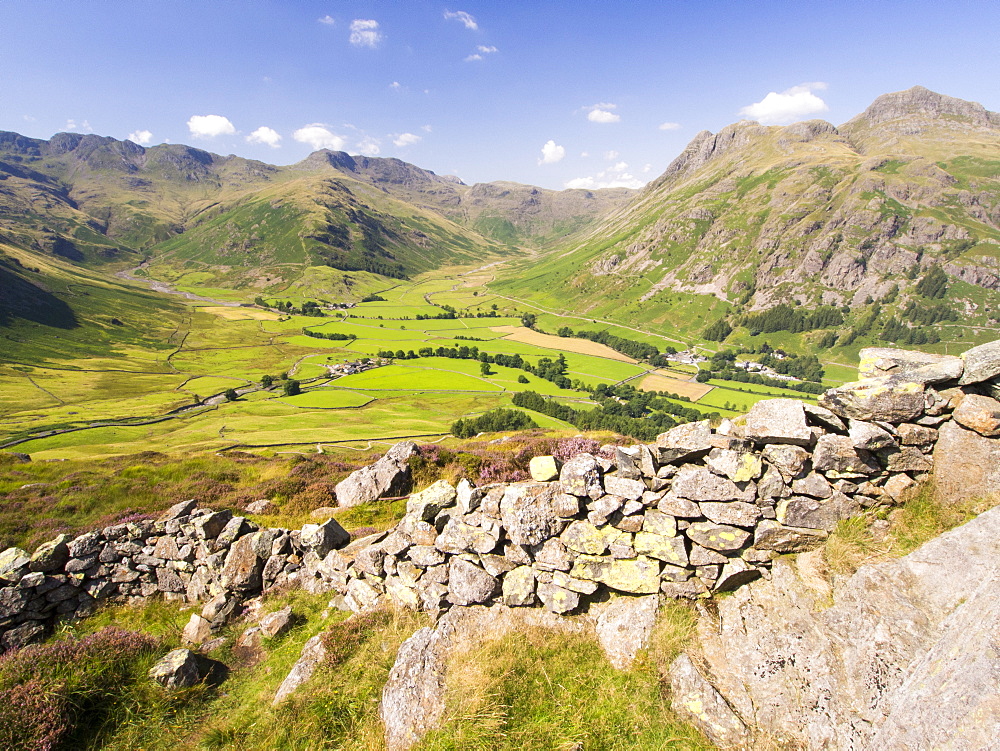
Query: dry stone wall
700, 510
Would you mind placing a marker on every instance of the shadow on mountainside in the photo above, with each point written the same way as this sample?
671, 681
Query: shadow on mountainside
20, 298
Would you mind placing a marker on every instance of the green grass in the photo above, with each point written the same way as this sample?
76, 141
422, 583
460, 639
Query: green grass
324, 398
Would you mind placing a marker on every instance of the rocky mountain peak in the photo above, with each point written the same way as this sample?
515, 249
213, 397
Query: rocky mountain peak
926, 104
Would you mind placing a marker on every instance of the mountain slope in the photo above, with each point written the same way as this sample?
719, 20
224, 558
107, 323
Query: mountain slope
754, 216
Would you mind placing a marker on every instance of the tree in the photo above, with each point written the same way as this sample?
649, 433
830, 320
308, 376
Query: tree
231, 395
484, 368
291, 387
528, 320
266, 381
523, 379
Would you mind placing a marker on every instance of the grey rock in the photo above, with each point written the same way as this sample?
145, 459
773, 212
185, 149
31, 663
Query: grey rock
735, 573
916, 435
640, 575
836, 457
788, 460
467, 496
552, 555
209, 526
700, 484
362, 595
168, 581
813, 484
322, 538
869, 436
387, 477
584, 537
583, 586
778, 421
684, 442
49, 556
812, 513
468, 584
624, 487
738, 466
624, 625
197, 631
966, 464
176, 669
922, 367
667, 548
894, 399
981, 363
772, 535
737, 513
428, 503
659, 523
905, 459
13, 564
178, 510
719, 537
370, 560
243, 568
29, 632
519, 587
565, 505
459, 537
696, 700
313, 654
86, 545
261, 506
527, 513
678, 507
557, 599
979, 413
277, 623
413, 697
543, 468
823, 417
581, 476
425, 556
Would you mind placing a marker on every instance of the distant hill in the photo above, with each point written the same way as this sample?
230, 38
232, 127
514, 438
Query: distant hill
809, 214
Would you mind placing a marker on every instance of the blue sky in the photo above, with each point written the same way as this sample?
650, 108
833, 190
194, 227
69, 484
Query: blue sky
556, 94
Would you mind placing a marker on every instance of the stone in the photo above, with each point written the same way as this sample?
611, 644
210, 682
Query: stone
361, 596
527, 513
900, 487
812, 513
86, 545
624, 625
167, 580
823, 417
681, 508
197, 631
735, 573
209, 526
869, 436
403, 595
13, 564
322, 538
813, 484
583, 586
669, 549
737, 513
519, 587
584, 537
235, 528
694, 698
772, 535
721, 537
425, 556
778, 421
277, 623
29, 632
738, 466
905, 459
48, 557
700, 484
788, 460
543, 468
387, 477
627, 461
892, 399
178, 510
581, 476
640, 575
552, 555
428, 503
604, 507
981, 363
468, 584
467, 496
979, 413
495, 564
624, 487
565, 505
261, 506
313, 654
459, 537
557, 599
691, 589
243, 569
413, 697
922, 367
966, 464
659, 523
836, 457
916, 435
683, 443
176, 669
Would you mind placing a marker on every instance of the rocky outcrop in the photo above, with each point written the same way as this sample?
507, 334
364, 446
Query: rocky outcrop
904, 658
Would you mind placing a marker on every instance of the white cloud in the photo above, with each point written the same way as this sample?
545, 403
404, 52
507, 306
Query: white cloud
481, 51
74, 125
319, 136
406, 139
463, 17
369, 146
29, 118
265, 135
141, 137
609, 155
327, 20
788, 106
670, 126
618, 167
603, 116
210, 126
426, 128
365, 33
615, 176
396, 86
646, 168
473, 57
551, 153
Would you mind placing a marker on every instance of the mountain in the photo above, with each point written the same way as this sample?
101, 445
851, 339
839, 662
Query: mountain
808, 214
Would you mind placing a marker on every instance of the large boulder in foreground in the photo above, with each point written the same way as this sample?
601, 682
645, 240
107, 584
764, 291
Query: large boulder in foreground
386, 478
893, 399
966, 464
901, 659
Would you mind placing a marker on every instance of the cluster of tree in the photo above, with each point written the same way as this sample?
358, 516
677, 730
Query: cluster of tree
632, 402
927, 314
493, 421
756, 379
630, 347
934, 284
469, 338
718, 331
898, 332
447, 312
783, 317
309, 307
373, 298
645, 429
332, 336
804, 367
547, 368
